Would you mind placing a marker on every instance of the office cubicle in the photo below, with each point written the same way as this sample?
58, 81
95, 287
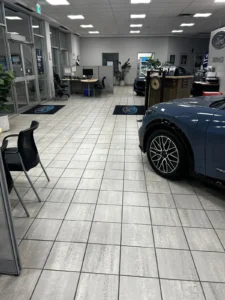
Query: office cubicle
99, 72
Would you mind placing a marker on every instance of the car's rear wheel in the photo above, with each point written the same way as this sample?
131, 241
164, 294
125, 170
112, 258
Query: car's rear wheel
166, 154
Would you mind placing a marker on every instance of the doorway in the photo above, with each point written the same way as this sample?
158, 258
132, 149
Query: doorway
26, 91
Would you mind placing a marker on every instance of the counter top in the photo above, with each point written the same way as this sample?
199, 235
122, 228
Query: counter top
180, 77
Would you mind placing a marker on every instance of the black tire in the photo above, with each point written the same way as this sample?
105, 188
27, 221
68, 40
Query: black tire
168, 164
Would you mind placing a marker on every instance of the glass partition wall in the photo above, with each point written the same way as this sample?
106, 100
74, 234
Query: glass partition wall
60, 54
23, 52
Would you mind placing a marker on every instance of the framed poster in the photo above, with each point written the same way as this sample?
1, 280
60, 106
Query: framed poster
172, 59
183, 59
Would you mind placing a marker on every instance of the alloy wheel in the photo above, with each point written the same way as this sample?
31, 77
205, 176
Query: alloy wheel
164, 154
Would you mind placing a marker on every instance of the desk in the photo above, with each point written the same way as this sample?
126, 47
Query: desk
199, 87
88, 81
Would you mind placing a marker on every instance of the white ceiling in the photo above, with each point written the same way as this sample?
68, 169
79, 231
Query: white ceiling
112, 17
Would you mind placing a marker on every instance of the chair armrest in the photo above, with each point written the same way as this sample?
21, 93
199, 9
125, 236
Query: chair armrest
9, 136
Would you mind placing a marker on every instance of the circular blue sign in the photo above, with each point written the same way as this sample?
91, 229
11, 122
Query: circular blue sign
130, 110
218, 40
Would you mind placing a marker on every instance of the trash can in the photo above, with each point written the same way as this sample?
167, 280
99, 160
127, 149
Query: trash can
86, 92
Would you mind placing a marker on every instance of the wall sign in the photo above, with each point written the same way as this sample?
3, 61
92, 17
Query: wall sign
218, 59
218, 40
40, 62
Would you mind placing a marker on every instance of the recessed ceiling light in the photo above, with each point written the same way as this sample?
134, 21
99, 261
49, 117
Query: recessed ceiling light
94, 32
35, 26
135, 31
140, 1
140, 16
136, 25
177, 31
87, 26
204, 15
13, 18
76, 17
58, 2
219, 1
187, 24
13, 32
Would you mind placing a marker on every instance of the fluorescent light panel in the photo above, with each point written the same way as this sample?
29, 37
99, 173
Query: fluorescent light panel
76, 17
87, 26
135, 31
140, 1
140, 16
13, 18
136, 25
94, 32
202, 15
58, 2
177, 31
219, 1
187, 24
35, 26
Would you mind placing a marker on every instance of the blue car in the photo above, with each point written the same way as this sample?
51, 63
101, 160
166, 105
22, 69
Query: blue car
186, 135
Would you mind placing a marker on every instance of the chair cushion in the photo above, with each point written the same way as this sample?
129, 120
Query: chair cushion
13, 160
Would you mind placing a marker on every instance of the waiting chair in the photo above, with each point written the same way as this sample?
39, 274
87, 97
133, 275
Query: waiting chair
100, 86
25, 157
9, 180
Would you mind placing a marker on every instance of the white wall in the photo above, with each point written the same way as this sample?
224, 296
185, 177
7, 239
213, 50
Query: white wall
92, 49
220, 67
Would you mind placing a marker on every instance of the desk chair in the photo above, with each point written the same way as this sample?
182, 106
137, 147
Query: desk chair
25, 156
100, 86
60, 88
9, 180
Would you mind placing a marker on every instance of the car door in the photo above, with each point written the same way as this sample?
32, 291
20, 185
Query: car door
215, 146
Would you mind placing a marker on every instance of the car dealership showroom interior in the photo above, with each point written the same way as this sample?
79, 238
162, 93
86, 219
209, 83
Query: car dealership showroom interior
112, 161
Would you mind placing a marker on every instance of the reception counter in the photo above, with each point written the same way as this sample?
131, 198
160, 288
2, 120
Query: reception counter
172, 87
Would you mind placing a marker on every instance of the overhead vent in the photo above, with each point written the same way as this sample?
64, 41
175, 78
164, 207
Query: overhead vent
24, 7
63, 27
185, 15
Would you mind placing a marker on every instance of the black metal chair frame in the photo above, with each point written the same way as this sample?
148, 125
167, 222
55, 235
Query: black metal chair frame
9, 151
11, 184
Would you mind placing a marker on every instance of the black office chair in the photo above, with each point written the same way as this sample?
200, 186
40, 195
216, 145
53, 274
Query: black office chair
100, 86
60, 88
25, 156
9, 180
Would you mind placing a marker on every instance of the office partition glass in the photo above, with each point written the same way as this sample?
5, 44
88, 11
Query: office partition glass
9, 256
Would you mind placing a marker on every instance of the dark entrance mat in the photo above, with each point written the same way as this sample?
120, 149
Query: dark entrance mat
43, 110
129, 110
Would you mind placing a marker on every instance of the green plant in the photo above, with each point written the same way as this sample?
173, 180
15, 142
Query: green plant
155, 63
6, 79
123, 70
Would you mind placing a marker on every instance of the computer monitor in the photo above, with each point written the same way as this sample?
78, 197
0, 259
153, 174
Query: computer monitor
67, 71
88, 72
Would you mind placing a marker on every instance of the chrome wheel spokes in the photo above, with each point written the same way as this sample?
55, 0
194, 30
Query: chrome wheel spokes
164, 154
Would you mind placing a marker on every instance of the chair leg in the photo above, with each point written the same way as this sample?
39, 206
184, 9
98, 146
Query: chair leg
28, 178
21, 201
44, 171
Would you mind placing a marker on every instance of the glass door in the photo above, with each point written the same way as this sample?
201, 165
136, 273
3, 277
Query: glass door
9, 255
23, 67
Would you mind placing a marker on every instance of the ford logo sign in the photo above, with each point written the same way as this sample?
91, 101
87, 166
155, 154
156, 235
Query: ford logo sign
218, 40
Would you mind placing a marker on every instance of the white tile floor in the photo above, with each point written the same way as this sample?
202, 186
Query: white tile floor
108, 227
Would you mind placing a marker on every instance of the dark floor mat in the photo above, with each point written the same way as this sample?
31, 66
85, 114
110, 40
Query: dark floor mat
129, 110
43, 110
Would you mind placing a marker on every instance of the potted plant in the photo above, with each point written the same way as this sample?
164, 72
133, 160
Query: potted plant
155, 63
123, 70
6, 79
